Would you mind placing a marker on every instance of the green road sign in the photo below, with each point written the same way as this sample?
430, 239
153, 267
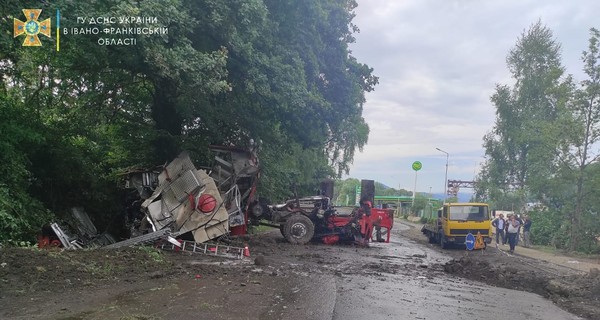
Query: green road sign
417, 165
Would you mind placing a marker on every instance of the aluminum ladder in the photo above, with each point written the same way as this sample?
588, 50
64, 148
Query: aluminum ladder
211, 249
149, 237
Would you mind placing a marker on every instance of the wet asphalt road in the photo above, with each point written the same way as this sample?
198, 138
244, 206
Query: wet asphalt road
398, 280
403, 280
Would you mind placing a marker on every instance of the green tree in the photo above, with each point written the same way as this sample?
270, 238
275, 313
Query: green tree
20, 213
584, 134
297, 171
521, 149
226, 72
452, 200
419, 204
345, 191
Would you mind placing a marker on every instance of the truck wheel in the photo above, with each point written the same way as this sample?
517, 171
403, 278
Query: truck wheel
443, 242
298, 229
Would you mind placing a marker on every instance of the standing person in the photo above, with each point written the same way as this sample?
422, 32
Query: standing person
518, 218
512, 232
526, 228
498, 223
506, 228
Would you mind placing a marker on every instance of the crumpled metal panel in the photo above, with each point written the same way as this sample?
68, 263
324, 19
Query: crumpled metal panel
233, 200
173, 204
84, 224
205, 226
180, 189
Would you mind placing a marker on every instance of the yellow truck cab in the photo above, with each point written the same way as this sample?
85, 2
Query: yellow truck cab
456, 220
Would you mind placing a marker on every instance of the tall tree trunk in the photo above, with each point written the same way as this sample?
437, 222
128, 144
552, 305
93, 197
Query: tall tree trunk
168, 121
576, 217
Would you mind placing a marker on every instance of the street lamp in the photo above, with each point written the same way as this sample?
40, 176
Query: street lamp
446, 177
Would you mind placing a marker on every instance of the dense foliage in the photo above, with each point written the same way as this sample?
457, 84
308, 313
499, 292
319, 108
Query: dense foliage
543, 149
278, 72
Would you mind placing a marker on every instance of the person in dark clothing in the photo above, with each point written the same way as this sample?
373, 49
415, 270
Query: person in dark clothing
518, 218
526, 234
506, 228
498, 223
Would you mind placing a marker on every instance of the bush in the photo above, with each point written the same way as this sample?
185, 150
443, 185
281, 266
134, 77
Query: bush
22, 217
549, 228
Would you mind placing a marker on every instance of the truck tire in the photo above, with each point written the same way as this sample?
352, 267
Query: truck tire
442, 238
298, 229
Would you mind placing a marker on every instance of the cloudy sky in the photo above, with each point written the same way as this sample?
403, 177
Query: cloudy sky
438, 62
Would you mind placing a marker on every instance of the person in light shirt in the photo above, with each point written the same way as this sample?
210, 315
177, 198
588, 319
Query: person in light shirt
498, 223
512, 232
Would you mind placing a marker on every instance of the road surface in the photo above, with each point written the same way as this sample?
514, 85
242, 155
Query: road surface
404, 279
411, 286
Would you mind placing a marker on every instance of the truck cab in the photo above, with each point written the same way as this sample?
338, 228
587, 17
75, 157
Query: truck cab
456, 220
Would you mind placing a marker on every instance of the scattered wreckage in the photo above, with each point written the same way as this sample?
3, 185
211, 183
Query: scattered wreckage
86, 234
180, 203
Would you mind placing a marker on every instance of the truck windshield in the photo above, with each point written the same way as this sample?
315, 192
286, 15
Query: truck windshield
469, 213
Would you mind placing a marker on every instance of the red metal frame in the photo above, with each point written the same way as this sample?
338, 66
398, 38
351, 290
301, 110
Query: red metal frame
383, 218
379, 218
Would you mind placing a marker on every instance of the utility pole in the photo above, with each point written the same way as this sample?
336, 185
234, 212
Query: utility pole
416, 166
446, 177
398, 206
429, 204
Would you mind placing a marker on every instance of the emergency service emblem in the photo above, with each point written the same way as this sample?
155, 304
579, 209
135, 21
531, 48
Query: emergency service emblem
32, 27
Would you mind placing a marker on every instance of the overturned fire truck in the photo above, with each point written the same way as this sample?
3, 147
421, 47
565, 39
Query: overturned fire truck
222, 200
206, 203
180, 201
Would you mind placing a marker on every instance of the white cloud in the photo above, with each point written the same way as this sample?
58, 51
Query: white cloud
438, 63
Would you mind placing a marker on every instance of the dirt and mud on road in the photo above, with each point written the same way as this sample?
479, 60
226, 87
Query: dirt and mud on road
574, 286
399, 280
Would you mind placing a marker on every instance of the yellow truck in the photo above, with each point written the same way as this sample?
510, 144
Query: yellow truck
456, 220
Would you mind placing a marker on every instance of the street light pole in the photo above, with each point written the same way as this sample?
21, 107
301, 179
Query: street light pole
429, 204
446, 177
398, 205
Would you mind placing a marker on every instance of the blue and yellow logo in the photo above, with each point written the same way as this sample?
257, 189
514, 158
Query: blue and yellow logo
32, 27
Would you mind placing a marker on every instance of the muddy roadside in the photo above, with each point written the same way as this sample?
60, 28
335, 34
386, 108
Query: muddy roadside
278, 281
145, 283
572, 286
